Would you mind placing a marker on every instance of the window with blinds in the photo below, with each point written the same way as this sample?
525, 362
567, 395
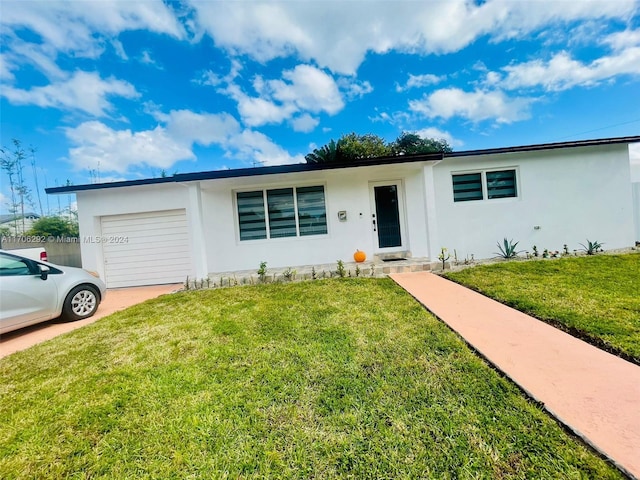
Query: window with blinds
496, 184
501, 184
467, 187
251, 215
312, 215
281, 212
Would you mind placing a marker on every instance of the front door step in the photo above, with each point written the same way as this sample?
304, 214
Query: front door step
392, 257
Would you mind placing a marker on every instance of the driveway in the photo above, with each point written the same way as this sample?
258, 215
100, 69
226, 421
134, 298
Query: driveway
115, 300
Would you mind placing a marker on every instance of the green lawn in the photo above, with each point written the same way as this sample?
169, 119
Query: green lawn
594, 297
341, 378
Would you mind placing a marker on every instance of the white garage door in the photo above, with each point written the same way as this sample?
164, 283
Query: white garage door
146, 248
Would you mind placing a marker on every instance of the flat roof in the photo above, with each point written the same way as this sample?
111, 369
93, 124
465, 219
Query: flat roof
310, 167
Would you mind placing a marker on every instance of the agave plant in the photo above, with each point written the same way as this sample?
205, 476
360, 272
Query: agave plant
591, 248
508, 249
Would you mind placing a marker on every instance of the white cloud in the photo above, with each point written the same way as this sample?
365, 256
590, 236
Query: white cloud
400, 119
622, 40
432, 132
119, 49
5, 68
634, 158
562, 72
475, 106
256, 146
205, 129
353, 89
79, 27
256, 111
146, 58
267, 30
213, 79
123, 151
118, 150
301, 90
304, 123
38, 56
309, 89
82, 91
209, 78
419, 81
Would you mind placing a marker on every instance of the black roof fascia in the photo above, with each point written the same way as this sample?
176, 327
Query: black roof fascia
310, 167
546, 146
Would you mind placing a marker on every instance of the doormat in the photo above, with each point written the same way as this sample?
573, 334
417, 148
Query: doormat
393, 259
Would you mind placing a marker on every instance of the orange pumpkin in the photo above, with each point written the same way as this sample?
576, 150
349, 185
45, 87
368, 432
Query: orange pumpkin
359, 256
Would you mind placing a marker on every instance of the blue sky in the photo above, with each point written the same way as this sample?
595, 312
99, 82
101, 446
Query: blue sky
113, 90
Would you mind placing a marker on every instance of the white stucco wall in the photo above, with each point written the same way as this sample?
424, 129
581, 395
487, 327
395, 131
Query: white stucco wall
636, 207
345, 189
571, 194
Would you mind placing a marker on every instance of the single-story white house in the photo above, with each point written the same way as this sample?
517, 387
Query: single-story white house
162, 230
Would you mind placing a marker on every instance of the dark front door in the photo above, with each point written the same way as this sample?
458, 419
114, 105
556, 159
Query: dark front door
387, 219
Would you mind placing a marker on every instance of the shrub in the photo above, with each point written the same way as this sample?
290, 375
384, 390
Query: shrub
591, 248
508, 249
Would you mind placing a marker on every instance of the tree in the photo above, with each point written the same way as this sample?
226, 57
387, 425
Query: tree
32, 150
54, 226
12, 163
411, 143
354, 146
327, 153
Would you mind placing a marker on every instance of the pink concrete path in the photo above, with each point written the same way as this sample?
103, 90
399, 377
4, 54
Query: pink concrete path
594, 393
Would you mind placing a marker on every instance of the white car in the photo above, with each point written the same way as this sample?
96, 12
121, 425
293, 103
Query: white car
33, 292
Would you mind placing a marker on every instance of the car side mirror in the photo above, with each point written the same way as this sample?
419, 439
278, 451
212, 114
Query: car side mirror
44, 271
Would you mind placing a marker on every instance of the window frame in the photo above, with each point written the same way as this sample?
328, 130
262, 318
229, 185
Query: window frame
267, 220
485, 185
482, 189
515, 183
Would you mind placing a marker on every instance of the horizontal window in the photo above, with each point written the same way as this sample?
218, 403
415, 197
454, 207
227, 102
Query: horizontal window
467, 187
501, 184
281, 212
497, 184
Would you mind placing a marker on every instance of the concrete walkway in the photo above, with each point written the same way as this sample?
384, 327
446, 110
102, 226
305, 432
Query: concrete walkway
115, 300
594, 393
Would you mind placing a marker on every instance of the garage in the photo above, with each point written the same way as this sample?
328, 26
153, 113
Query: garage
147, 248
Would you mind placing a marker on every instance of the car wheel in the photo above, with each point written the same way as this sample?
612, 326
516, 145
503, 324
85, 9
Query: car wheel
82, 302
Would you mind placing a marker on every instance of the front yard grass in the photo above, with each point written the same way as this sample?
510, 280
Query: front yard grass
596, 298
342, 378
